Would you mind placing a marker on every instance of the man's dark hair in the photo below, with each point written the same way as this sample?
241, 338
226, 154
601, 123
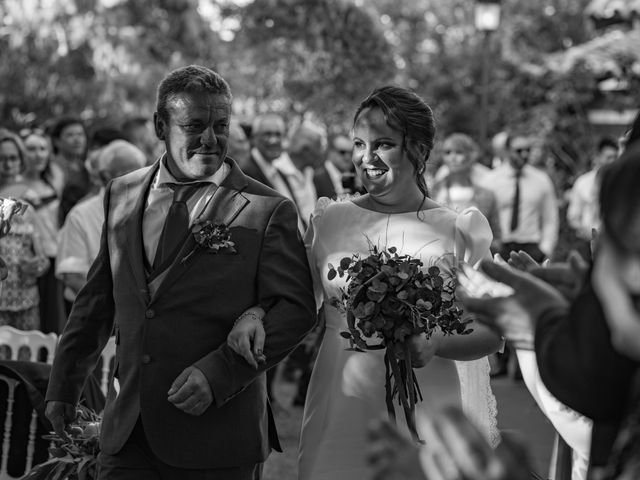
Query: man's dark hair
191, 79
103, 135
56, 128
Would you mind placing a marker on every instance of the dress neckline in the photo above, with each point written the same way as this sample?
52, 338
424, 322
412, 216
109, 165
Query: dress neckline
360, 207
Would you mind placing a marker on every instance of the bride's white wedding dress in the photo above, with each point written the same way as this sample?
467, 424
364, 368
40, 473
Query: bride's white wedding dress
347, 389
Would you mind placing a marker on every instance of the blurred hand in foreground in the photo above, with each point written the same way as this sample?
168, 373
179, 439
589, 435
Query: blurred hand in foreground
514, 315
453, 449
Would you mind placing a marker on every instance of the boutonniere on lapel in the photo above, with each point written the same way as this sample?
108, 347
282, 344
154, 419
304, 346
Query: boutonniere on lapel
214, 237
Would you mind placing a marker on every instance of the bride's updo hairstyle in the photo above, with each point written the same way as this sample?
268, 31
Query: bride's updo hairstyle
406, 112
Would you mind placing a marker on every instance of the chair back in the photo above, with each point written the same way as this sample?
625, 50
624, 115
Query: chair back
33, 340
17, 340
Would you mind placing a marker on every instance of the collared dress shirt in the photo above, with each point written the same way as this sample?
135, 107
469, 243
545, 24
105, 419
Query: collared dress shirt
583, 213
538, 214
287, 180
336, 177
79, 239
301, 182
272, 174
160, 197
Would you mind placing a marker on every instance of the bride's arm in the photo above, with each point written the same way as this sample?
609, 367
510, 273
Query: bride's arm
479, 343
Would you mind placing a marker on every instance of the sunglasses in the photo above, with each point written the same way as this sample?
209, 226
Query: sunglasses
522, 150
25, 132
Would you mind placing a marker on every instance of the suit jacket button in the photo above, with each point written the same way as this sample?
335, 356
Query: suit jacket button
146, 359
149, 313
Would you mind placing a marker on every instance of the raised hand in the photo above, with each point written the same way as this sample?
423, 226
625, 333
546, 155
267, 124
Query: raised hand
392, 455
567, 277
514, 315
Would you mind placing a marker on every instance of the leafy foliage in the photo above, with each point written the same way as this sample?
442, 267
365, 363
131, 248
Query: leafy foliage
310, 55
74, 459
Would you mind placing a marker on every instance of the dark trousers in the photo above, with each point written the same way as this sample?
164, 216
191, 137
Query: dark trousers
531, 248
136, 461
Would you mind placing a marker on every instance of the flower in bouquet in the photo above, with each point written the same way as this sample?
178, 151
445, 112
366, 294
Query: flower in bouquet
74, 458
393, 297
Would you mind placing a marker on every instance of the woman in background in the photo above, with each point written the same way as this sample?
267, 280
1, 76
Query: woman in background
458, 190
44, 181
21, 248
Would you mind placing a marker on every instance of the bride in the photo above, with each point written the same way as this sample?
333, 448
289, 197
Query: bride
393, 136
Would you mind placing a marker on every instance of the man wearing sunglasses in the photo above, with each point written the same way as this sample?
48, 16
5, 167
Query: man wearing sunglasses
527, 202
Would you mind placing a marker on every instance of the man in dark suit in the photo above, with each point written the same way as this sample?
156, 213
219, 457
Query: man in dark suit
182, 405
308, 152
267, 137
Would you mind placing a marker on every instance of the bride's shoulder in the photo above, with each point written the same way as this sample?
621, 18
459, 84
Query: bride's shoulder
327, 206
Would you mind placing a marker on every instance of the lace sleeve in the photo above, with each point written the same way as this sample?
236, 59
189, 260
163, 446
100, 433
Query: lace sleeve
472, 242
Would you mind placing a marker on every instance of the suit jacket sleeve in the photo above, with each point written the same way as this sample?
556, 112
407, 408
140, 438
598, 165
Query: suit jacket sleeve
577, 361
285, 292
88, 328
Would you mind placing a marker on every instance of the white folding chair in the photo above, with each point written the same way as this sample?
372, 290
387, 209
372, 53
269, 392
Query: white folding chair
15, 339
34, 340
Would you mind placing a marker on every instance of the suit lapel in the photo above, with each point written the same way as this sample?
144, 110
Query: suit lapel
137, 192
225, 205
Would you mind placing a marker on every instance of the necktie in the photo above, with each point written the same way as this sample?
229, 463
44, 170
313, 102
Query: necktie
515, 209
176, 225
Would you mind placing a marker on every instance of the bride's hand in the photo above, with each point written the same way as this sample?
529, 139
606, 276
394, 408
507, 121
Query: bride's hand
421, 348
247, 336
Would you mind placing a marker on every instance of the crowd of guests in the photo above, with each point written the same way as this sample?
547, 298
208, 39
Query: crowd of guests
66, 165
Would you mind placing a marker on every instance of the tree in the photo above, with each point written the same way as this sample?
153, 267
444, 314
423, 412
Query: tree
317, 56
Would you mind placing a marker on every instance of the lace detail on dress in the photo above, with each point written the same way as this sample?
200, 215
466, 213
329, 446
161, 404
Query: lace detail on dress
478, 401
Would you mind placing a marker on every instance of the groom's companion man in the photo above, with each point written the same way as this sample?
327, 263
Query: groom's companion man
182, 405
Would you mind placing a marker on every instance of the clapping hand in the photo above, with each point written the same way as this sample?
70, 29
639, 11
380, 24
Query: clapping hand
454, 449
567, 277
514, 315
393, 455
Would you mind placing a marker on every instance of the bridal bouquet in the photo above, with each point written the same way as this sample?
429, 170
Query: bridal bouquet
73, 459
392, 298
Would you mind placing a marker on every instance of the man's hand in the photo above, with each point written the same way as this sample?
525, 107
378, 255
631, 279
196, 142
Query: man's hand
248, 331
60, 414
191, 392
515, 315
